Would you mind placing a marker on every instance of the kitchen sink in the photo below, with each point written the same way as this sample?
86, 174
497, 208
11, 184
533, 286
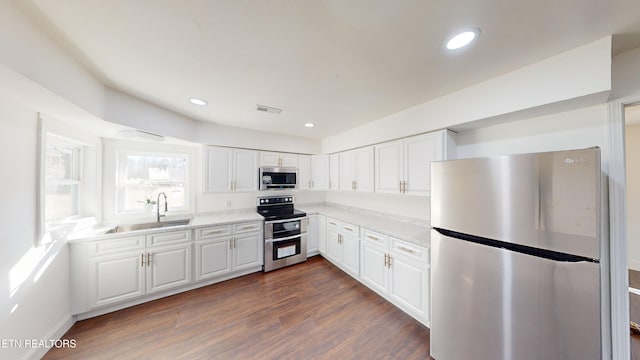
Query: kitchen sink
145, 226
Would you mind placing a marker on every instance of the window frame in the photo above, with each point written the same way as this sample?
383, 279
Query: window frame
120, 156
46, 225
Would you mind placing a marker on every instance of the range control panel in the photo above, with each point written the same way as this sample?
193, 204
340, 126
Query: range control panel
275, 200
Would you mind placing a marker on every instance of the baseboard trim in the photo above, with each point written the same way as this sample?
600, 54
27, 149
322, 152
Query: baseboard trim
56, 333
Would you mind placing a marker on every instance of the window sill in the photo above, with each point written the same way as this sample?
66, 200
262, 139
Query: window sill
63, 229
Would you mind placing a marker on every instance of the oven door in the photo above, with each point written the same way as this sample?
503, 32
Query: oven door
278, 229
285, 251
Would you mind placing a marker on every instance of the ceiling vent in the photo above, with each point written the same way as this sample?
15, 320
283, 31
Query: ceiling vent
268, 109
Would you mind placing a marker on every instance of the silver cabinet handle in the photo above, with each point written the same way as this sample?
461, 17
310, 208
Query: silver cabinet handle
148, 259
231, 244
348, 228
142, 260
406, 249
373, 237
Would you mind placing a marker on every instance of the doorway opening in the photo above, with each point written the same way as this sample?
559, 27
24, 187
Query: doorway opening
632, 152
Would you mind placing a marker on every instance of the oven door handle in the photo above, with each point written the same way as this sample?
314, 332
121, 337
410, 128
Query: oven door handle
284, 221
284, 238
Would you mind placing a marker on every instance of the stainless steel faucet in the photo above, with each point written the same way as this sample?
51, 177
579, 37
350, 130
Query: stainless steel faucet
166, 206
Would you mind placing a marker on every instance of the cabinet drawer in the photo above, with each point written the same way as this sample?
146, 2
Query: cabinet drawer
168, 237
350, 229
109, 246
247, 227
212, 232
403, 248
375, 238
333, 223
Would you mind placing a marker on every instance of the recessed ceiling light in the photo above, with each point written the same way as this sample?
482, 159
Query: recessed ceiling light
199, 102
463, 39
309, 124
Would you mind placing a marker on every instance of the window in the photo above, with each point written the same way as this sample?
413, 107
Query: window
62, 171
142, 176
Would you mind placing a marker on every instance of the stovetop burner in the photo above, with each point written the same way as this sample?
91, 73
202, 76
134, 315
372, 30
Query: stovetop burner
278, 208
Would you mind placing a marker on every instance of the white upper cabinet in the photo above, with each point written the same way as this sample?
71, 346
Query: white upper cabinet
347, 170
319, 172
334, 172
389, 167
403, 166
268, 158
245, 170
228, 169
304, 172
356, 170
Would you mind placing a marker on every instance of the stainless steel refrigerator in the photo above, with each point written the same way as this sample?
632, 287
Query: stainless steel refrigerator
515, 257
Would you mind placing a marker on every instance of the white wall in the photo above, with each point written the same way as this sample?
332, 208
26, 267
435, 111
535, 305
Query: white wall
127, 110
633, 195
625, 74
575, 129
31, 52
582, 73
34, 298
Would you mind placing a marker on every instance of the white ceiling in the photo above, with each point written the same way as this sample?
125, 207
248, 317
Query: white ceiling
335, 63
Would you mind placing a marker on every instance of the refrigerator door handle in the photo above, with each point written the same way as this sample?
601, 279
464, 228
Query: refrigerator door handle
523, 249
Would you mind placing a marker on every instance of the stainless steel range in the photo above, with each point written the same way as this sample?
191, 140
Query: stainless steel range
285, 232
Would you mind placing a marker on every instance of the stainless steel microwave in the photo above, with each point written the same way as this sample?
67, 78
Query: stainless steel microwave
277, 178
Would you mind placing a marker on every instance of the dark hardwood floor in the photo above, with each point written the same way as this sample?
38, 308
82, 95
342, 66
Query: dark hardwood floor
634, 312
308, 311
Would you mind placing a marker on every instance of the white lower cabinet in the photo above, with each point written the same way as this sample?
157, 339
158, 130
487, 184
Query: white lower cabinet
117, 273
313, 234
343, 246
397, 270
116, 278
224, 249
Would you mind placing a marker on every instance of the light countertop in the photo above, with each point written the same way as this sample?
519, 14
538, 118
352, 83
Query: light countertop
410, 230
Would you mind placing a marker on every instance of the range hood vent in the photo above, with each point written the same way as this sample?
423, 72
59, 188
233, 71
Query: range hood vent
268, 109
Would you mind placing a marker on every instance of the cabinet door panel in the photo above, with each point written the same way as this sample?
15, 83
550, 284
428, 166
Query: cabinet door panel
322, 234
268, 158
213, 258
217, 169
246, 170
409, 286
169, 268
388, 167
364, 170
351, 254
313, 233
373, 271
347, 170
247, 251
319, 172
289, 160
116, 278
304, 172
334, 172
334, 249
420, 151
